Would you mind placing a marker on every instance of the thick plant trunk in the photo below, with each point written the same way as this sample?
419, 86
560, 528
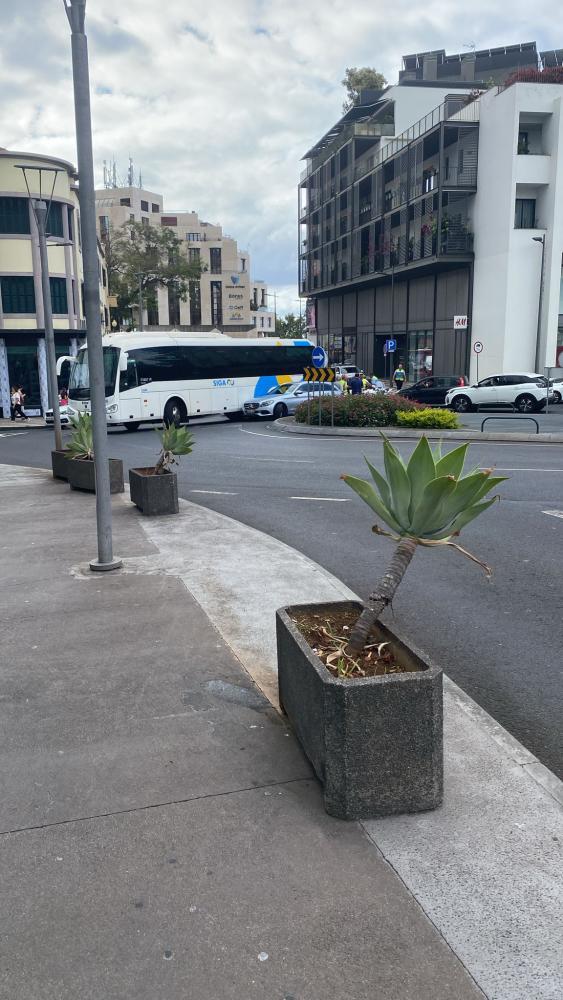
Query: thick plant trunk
383, 594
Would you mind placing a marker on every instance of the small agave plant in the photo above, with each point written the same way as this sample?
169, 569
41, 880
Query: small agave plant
81, 444
175, 441
425, 502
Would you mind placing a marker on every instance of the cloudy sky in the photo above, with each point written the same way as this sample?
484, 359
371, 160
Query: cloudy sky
217, 101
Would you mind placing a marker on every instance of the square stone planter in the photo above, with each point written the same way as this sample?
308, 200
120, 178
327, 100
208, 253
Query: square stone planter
375, 743
154, 495
59, 464
82, 475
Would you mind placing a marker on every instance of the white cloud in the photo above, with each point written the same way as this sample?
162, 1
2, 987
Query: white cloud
217, 102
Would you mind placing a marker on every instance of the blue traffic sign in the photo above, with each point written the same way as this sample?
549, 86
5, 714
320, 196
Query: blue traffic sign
319, 357
390, 346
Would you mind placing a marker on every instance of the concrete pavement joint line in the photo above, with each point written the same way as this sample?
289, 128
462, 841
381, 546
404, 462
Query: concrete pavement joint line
152, 806
398, 875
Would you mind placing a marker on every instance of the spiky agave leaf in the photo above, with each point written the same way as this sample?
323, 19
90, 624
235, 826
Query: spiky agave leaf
366, 491
399, 485
81, 444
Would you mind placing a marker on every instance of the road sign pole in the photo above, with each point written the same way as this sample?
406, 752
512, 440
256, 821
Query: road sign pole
319, 404
332, 403
308, 403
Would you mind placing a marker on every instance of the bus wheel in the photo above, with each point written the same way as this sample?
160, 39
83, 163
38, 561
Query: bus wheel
175, 413
238, 415
133, 425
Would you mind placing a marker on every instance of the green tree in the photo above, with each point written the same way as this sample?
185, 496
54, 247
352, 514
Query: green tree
152, 256
358, 79
291, 326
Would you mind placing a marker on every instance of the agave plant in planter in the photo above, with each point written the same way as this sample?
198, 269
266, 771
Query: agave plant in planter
154, 490
367, 707
81, 471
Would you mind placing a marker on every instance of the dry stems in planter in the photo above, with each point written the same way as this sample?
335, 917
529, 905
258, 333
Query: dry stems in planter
366, 707
154, 490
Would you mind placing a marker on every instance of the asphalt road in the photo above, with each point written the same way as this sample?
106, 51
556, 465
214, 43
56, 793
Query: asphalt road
500, 641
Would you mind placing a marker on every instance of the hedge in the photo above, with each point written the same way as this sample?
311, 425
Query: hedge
357, 411
429, 418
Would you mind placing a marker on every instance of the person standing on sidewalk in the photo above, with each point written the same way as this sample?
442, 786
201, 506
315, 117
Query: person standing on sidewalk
399, 376
17, 399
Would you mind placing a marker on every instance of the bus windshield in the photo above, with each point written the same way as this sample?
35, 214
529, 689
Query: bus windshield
79, 387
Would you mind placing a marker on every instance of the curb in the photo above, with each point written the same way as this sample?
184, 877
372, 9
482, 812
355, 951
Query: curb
289, 426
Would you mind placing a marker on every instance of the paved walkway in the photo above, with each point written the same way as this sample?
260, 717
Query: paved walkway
160, 831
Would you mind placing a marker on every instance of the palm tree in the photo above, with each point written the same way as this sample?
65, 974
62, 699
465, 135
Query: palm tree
426, 502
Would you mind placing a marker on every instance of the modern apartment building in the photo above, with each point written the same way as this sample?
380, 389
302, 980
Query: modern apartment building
432, 214
22, 329
224, 296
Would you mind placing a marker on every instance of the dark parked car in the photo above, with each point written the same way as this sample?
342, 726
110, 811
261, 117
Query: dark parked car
432, 389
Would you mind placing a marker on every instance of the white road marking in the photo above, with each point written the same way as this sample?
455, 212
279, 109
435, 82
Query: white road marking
553, 513
8, 434
253, 458
329, 499
215, 493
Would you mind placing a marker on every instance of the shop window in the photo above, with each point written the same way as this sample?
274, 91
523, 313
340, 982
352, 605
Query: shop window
23, 370
419, 354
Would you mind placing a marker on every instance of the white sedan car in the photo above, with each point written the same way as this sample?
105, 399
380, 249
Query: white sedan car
279, 403
525, 392
65, 411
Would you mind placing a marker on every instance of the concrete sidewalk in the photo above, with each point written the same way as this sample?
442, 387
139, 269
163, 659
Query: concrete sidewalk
162, 833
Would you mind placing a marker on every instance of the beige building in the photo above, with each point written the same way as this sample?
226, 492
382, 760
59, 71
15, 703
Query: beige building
224, 298
22, 329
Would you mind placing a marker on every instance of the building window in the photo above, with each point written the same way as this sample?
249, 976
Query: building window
59, 303
194, 254
14, 216
155, 208
262, 322
168, 220
193, 237
18, 295
254, 321
460, 161
523, 143
243, 263
173, 306
269, 320
71, 224
419, 352
216, 303
263, 297
144, 220
215, 260
55, 219
144, 206
104, 224
525, 214
195, 303
125, 201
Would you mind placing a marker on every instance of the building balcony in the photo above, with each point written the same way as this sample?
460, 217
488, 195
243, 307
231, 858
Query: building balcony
533, 169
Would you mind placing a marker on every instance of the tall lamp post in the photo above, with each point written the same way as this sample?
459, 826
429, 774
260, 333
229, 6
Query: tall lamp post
76, 13
540, 239
41, 209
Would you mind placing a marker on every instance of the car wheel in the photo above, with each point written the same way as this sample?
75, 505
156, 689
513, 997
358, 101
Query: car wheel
174, 413
280, 410
526, 404
133, 425
461, 404
556, 396
238, 415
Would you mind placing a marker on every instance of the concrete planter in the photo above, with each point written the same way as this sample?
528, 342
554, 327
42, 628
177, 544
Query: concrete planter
154, 495
375, 743
82, 475
59, 464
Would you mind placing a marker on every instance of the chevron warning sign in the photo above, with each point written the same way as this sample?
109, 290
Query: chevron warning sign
319, 374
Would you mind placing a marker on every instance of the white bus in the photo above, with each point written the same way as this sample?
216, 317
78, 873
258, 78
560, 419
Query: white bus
167, 377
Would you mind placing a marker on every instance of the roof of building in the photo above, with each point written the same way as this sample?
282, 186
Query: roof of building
17, 155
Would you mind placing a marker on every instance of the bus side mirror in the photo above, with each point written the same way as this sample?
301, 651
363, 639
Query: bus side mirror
123, 359
62, 361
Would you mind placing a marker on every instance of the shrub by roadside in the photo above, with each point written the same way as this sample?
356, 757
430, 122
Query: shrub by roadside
357, 411
428, 418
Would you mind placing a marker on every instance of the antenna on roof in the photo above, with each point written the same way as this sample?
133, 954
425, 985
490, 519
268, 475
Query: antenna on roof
130, 174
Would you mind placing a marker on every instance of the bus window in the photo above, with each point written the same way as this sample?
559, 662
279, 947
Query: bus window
128, 379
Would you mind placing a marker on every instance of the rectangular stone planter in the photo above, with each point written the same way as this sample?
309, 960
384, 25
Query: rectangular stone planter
154, 495
375, 743
82, 475
59, 464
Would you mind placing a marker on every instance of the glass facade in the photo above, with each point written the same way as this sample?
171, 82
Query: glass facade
419, 354
23, 370
18, 295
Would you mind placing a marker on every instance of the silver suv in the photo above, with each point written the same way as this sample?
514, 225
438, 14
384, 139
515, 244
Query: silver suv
525, 392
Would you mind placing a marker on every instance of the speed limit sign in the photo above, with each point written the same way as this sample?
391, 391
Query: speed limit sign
477, 347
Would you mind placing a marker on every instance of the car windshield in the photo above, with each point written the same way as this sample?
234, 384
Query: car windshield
79, 387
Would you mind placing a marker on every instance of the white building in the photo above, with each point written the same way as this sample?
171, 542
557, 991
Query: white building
424, 213
223, 295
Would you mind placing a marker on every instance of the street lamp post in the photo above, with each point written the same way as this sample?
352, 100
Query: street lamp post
76, 13
41, 209
40, 212
540, 239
